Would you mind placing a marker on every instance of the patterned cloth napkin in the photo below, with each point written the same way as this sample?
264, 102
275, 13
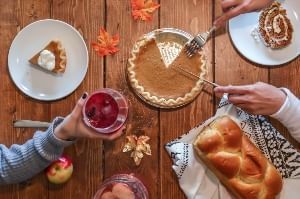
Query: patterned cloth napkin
197, 182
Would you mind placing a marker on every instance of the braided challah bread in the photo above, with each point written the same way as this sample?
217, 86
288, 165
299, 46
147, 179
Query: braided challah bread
236, 161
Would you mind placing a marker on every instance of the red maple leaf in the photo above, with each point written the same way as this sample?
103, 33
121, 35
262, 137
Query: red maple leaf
106, 44
142, 9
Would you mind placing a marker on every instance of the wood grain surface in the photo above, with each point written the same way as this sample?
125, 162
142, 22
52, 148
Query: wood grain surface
95, 160
192, 17
14, 16
86, 17
143, 119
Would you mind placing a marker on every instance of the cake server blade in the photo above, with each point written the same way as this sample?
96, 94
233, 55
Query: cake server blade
192, 74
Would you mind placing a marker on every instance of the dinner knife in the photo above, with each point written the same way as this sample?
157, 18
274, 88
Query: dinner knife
30, 124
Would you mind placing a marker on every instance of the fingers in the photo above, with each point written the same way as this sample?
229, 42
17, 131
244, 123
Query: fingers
237, 10
237, 90
226, 4
109, 137
233, 13
219, 22
238, 99
219, 94
78, 108
117, 134
245, 104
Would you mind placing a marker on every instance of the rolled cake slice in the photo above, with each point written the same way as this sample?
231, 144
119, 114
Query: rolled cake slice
275, 27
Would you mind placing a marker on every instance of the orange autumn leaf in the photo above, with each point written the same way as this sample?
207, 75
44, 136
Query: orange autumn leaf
106, 44
142, 9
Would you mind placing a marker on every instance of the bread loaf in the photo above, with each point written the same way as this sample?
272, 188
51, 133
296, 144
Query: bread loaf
236, 161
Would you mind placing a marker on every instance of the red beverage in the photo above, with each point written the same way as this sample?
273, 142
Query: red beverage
105, 110
122, 186
101, 110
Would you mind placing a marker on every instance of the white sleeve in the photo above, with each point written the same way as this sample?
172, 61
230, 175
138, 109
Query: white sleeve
289, 114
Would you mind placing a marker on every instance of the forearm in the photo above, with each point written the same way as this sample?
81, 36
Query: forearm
289, 114
21, 162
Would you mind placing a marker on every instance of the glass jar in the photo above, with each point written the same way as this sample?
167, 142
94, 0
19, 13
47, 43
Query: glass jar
122, 186
105, 111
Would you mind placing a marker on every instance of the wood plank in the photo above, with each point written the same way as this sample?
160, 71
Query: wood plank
8, 28
286, 76
193, 17
142, 119
231, 67
19, 106
30, 11
86, 16
238, 71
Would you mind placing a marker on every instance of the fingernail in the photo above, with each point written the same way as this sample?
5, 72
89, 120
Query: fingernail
84, 96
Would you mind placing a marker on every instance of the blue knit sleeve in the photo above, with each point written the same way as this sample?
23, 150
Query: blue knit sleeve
21, 162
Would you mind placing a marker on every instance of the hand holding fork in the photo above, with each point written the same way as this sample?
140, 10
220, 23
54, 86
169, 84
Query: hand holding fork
194, 45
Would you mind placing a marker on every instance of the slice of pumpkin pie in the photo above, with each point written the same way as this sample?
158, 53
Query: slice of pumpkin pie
52, 57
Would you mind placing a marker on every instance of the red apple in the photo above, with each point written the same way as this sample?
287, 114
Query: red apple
60, 170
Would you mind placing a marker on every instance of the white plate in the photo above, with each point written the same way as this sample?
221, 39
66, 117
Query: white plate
38, 83
240, 29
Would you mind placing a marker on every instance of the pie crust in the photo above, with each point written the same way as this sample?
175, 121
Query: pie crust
162, 85
60, 56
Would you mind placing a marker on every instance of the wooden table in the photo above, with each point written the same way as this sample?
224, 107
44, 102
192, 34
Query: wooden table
95, 160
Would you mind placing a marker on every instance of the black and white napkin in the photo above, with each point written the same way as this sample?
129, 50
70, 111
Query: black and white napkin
197, 182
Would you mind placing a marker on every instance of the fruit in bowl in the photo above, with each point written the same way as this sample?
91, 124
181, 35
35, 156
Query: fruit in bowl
122, 186
118, 191
60, 170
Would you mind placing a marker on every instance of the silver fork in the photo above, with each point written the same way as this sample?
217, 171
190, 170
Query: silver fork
192, 46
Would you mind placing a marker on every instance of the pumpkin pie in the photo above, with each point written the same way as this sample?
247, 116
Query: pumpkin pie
160, 84
52, 57
275, 27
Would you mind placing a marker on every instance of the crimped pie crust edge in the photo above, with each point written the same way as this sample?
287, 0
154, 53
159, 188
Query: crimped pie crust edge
62, 56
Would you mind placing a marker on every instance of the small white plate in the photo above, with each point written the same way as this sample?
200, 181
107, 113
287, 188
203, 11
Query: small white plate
36, 82
240, 29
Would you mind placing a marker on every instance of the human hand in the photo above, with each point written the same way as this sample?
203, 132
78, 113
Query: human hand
259, 98
233, 8
73, 126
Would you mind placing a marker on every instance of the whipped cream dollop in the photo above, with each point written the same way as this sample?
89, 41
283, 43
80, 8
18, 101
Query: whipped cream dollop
255, 34
47, 60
